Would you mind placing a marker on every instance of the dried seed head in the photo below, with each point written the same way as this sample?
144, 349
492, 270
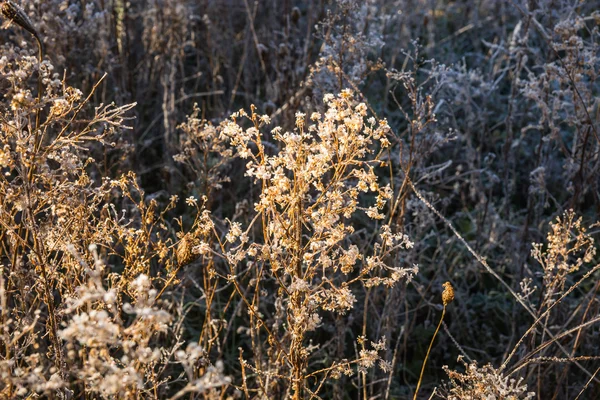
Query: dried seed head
16, 14
184, 253
295, 15
448, 294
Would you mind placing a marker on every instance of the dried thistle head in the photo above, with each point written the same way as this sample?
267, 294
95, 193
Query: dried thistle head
16, 14
447, 294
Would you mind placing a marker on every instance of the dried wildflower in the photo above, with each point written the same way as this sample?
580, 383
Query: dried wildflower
191, 201
234, 232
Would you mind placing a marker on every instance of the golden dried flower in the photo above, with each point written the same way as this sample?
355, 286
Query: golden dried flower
448, 294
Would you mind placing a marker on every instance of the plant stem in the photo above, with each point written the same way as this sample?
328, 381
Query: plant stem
427, 355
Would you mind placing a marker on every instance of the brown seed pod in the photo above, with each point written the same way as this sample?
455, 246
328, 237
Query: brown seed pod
184, 253
447, 294
16, 14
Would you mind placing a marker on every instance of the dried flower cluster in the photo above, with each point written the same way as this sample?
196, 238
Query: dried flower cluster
483, 383
310, 191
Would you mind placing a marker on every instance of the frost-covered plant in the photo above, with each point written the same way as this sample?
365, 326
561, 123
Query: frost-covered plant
204, 152
484, 383
569, 247
73, 325
565, 93
351, 36
312, 191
